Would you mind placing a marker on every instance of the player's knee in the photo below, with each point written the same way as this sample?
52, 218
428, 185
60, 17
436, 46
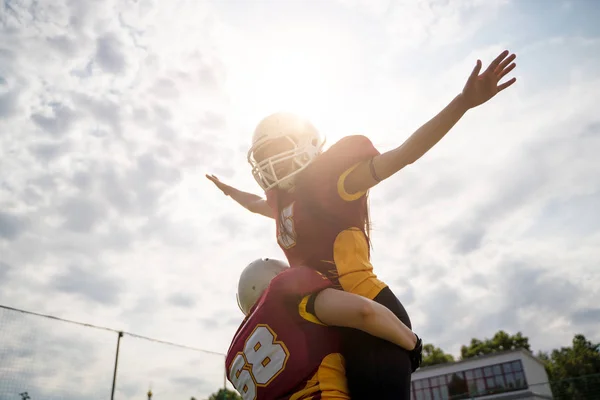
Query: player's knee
366, 311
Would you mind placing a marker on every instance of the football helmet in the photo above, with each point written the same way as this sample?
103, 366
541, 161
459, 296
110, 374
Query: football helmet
255, 278
295, 141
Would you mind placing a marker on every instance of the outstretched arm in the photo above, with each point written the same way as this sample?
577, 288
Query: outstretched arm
338, 308
477, 90
249, 201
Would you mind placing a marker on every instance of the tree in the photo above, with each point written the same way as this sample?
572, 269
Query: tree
225, 394
434, 355
573, 371
501, 341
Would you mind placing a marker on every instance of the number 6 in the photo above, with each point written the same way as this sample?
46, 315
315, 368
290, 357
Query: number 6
262, 360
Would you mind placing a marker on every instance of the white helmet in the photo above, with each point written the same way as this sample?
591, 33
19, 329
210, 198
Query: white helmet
306, 143
255, 278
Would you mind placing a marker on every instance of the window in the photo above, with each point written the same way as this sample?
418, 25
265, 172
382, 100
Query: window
475, 382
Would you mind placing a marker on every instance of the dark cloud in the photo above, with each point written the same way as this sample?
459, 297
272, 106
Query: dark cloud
536, 168
48, 151
181, 300
59, 123
115, 188
9, 103
90, 283
64, 44
531, 287
81, 214
525, 291
469, 240
11, 226
109, 54
591, 130
105, 111
4, 269
587, 316
444, 306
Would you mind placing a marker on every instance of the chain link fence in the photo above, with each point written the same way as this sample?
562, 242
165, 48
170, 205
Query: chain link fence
47, 358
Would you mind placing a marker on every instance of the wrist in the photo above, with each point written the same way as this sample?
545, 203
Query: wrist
461, 103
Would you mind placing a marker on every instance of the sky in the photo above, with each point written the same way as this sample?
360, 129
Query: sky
111, 112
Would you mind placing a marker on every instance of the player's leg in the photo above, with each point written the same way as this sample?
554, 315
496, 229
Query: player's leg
375, 368
387, 298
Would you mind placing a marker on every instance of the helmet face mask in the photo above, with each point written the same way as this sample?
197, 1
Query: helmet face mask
283, 145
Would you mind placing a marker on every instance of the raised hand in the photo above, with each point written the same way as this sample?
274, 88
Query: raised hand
226, 189
481, 88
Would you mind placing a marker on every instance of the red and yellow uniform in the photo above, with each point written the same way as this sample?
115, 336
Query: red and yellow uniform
324, 225
281, 350
321, 226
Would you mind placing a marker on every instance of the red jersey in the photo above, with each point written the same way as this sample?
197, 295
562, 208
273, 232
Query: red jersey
324, 225
281, 350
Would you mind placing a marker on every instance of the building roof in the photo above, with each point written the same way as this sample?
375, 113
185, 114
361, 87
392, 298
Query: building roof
484, 356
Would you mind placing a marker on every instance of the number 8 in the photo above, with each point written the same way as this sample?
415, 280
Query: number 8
262, 360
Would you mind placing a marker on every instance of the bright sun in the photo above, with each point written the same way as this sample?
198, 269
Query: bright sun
305, 72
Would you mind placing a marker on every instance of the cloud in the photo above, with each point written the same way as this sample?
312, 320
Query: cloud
4, 270
89, 283
112, 112
11, 226
588, 316
181, 300
57, 124
110, 55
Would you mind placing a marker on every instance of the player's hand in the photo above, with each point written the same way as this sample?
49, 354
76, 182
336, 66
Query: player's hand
481, 88
416, 355
226, 189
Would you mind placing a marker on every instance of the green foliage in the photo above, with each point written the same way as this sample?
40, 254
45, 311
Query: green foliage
225, 394
574, 371
501, 341
434, 355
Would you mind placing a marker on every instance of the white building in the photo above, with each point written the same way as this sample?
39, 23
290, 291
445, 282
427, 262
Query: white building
514, 374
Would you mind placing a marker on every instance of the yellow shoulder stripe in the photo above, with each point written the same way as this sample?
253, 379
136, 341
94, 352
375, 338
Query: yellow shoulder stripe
341, 188
305, 314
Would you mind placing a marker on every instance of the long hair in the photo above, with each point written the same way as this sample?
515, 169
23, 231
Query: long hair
316, 209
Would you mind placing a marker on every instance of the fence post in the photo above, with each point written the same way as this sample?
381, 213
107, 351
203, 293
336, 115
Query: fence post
114, 382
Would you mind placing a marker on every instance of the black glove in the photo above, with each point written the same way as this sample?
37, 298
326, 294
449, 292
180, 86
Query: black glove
416, 354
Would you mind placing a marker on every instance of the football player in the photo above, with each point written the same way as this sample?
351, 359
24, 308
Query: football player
319, 202
286, 347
